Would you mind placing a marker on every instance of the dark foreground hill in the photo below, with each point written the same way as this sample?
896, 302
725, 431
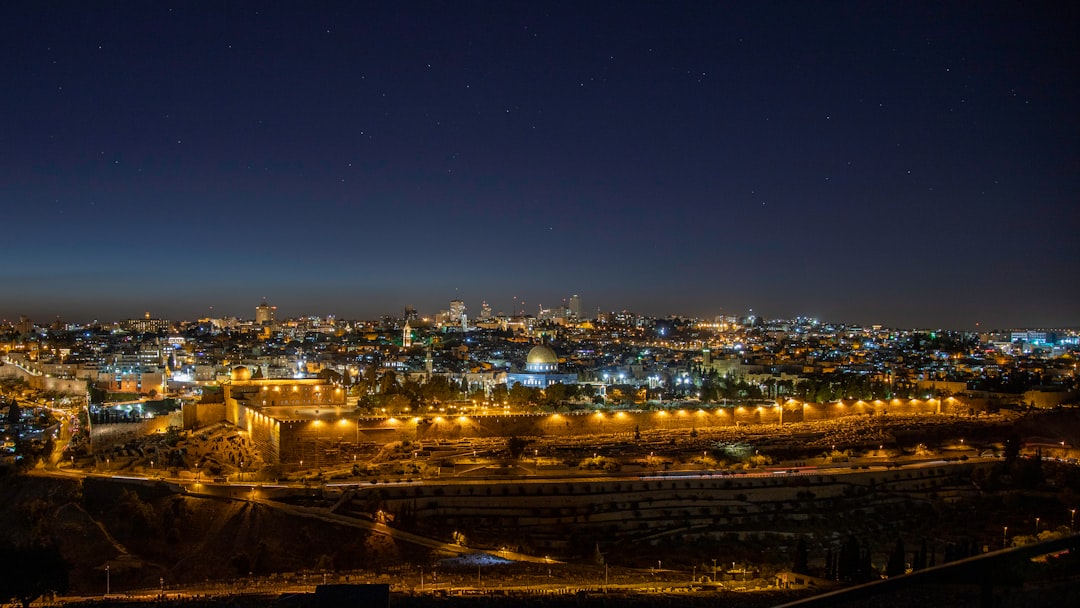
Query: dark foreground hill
146, 534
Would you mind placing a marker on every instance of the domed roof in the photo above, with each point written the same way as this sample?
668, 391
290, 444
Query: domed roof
241, 373
542, 354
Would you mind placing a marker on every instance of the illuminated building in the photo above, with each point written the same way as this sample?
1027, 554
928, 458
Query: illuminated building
458, 314
575, 306
541, 370
262, 406
145, 325
264, 314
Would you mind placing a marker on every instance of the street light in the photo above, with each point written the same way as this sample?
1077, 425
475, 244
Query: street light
1005, 538
1072, 517
1036, 526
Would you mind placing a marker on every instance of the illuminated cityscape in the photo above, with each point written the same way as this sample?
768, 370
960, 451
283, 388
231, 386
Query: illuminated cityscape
484, 449
589, 304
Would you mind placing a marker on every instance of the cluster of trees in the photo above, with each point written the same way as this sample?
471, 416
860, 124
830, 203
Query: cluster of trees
820, 388
386, 390
925, 557
522, 396
851, 563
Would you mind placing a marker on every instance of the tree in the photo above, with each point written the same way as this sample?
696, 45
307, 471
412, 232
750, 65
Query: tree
32, 571
437, 388
14, 413
95, 394
516, 446
521, 395
396, 404
388, 383
555, 393
800, 559
897, 563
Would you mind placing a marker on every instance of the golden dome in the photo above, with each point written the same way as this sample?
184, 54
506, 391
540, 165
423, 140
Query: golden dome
542, 354
241, 373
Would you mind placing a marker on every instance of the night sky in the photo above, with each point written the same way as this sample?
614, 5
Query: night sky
910, 164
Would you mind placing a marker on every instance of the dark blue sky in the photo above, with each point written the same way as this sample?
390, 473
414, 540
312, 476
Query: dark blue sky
912, 164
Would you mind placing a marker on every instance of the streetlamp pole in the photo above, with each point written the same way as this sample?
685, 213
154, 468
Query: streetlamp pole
1005, 537
107, 581
714, 570
1072, 517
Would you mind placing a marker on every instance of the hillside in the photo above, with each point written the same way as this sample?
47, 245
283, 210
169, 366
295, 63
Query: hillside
144, 534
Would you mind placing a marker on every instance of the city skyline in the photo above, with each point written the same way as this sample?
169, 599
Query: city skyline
908, 165
441, 315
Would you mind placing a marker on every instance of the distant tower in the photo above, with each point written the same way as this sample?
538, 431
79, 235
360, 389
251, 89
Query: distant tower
575, 306
457, 314
706, 356
429, 362
264, 313
485, 311
406, 336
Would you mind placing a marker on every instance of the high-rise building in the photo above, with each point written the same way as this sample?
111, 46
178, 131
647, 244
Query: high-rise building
575, 306
264, 313
457, 314
485, 312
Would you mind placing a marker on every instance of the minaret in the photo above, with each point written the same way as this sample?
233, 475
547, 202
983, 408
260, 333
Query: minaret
406, 336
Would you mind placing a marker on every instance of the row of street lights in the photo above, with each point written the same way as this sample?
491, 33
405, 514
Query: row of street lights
1005, 529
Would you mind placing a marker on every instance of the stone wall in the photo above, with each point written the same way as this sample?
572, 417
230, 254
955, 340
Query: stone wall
42, 382
295, 438
105, 436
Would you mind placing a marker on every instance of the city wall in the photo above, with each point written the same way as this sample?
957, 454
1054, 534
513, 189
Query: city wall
292, 439
42, 382
105, 436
